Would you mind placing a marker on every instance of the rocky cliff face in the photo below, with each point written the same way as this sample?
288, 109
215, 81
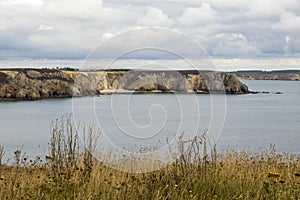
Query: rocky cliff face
31, 84
34, 84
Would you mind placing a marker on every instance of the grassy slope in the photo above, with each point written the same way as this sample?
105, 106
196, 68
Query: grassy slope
237, 176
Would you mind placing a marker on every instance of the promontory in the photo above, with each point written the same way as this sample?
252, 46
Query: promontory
34, 84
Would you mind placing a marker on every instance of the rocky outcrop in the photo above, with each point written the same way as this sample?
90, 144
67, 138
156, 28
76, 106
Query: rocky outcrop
31, 84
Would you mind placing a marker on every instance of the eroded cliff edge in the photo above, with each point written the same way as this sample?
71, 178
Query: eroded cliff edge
32, 84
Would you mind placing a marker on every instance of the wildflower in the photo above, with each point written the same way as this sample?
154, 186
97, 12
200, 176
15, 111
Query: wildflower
273, 174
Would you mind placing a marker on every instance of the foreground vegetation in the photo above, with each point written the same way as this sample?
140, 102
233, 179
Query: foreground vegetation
71, 173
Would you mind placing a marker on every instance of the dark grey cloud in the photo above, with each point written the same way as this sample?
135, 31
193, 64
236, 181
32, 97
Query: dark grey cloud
72, 28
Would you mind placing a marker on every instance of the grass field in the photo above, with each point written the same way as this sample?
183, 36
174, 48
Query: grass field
71, 173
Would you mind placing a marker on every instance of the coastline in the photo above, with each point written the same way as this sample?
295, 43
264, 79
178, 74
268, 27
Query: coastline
36, 84
280, 75
30, 84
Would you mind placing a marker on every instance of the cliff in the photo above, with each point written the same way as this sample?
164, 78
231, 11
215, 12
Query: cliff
32, 84
292, 75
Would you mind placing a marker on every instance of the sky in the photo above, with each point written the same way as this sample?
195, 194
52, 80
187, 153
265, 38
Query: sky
231, 30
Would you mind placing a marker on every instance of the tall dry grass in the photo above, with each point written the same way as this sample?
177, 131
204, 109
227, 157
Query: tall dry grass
71, 172
1, 154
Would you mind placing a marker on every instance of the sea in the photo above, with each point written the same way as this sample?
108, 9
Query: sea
249, 122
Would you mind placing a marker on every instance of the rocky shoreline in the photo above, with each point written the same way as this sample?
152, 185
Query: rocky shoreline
35, 84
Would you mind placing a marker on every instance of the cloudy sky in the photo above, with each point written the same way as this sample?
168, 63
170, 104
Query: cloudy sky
230, 30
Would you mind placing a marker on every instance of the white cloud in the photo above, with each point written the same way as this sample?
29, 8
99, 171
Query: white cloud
155, 17
106, 36
288, 22
43, 27
266, 8
231, 4
198, 16
71, 28
234, 43
148, 43
76, 9
27, 3
292, 5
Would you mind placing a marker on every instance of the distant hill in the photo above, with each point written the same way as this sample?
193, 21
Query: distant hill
293, 75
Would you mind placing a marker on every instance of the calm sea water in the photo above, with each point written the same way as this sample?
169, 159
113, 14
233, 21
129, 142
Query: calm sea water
252, 121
